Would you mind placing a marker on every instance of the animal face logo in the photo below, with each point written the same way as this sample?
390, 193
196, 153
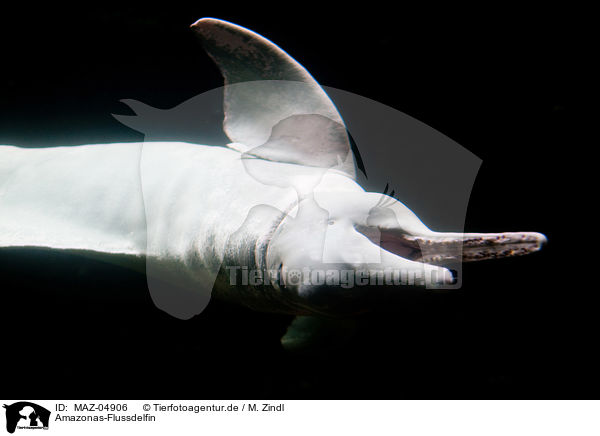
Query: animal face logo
26, 415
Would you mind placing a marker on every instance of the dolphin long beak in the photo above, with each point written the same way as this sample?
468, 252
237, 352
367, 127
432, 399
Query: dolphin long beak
442, 248
471, 247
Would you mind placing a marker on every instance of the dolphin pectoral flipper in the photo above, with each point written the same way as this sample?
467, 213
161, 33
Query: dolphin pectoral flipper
309, 333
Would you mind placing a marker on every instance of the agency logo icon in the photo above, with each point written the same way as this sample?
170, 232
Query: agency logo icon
26, 415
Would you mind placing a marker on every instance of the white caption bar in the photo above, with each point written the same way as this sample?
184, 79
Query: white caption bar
253, 417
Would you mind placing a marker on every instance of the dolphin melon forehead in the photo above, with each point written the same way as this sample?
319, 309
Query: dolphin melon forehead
367, 208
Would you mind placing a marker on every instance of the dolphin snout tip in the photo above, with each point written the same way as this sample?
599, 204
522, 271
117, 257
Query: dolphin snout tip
539, 239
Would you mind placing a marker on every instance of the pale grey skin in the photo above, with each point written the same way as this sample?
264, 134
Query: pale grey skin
281, 197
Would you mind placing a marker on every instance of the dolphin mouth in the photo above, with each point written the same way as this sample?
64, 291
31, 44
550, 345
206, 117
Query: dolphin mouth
444, 248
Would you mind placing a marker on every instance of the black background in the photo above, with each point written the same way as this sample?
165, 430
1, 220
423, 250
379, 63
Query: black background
505, 83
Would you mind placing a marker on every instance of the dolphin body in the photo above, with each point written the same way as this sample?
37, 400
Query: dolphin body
280, 198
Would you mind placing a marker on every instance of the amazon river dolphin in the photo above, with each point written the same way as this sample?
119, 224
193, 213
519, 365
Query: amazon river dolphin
274, 220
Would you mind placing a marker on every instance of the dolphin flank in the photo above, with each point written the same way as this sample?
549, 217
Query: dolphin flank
273, 220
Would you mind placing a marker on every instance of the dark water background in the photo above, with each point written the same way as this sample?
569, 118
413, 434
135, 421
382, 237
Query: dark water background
505, 84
